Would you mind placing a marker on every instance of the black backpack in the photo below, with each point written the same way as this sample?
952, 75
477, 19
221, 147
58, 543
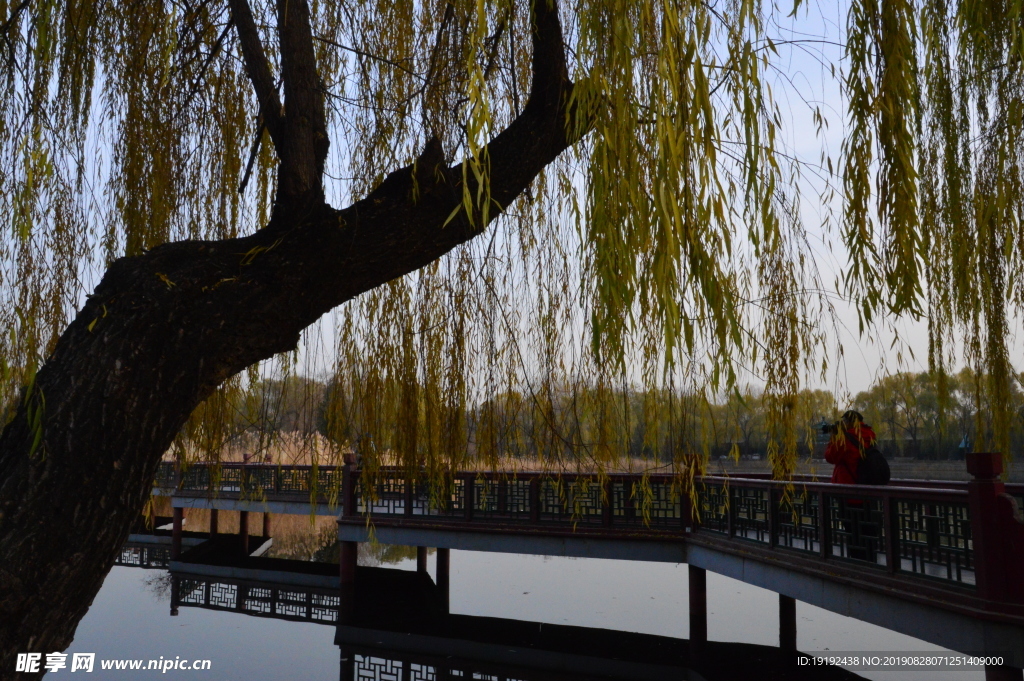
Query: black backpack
873, 469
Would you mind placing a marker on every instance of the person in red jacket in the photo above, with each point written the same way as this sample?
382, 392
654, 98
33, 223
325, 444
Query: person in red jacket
845, 450
858, 536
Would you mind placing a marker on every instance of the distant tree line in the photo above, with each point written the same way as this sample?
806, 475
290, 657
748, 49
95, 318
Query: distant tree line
917, 415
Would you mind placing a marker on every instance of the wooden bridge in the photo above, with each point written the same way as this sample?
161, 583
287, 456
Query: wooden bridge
941, 561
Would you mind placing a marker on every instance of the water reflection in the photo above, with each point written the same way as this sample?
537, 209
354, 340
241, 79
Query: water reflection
400, 630
255, 629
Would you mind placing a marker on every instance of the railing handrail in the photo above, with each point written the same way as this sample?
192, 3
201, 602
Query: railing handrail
802, 479
877, 491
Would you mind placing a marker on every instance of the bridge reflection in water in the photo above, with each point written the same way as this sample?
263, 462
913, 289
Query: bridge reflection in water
144, 555
400, 631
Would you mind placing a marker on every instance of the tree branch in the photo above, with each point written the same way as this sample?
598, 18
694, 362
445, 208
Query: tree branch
13, 17
258, 69
550, 75
305, 126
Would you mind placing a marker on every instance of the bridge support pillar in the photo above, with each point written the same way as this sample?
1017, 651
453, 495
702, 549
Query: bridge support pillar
243, 530
698, 612
177, 518
213, 522
266, 524
443, 580
347, 559
348, 665
421, 560
787, 623
1002, 673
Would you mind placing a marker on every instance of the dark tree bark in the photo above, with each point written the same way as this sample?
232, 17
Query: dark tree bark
164, 329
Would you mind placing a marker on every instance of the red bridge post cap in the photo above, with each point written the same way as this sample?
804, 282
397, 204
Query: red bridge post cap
985, 465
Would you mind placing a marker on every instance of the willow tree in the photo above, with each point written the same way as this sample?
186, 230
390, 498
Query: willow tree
632, 155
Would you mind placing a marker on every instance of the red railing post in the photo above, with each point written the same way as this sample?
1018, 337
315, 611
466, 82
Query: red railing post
502, 508
535, 499
607, 496
730, 511
407, 495
690, 498
177, 518
824, 525
468, 484
348, 550
983, 493
243, 530
348, 486
891, 527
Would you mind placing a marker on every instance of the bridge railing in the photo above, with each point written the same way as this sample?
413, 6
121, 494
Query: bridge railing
924, 531
961, 534
144, 555
577, 500
251, 481
297, 603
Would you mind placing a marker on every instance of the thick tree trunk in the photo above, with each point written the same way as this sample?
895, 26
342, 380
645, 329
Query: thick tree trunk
164, 329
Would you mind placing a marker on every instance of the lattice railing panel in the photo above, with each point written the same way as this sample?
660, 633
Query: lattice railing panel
324, 607
750, 519
328, 481
165, 476
294, 480
445, 498
857, 529
658, 505
260, 481
389, 491
584, 501
501, 498
227, 479
144, 556
421, 672
798, 522
518, 499
554, 500
714, 507
377, 669
449, 499
935, 540
255, 599
222, 595
192, 591
196, 479
256, 604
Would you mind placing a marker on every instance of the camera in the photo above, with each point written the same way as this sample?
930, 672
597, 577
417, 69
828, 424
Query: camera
830, 428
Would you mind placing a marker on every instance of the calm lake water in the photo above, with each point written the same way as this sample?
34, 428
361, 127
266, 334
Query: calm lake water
130, 617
